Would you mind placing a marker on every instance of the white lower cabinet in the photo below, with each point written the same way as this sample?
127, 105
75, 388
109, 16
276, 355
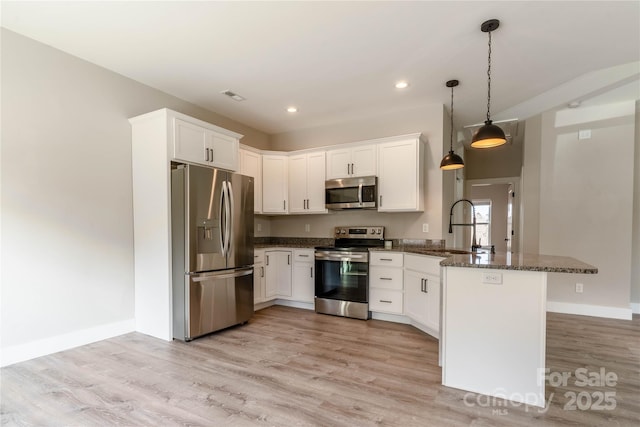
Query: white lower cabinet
422, 292
277, 265
259, 289
303, 275
386, 282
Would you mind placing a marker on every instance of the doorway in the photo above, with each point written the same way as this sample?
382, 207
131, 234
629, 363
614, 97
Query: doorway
499, 198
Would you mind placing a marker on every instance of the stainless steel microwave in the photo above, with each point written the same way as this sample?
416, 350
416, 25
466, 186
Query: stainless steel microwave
351, 193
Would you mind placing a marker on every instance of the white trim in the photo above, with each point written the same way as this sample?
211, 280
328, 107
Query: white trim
396, 318
43, 347
635, 307
295, 304
589, 310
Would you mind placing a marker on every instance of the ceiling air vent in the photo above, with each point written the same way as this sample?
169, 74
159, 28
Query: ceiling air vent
233, 95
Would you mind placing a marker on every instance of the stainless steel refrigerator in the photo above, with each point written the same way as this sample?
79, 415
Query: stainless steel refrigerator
212, 250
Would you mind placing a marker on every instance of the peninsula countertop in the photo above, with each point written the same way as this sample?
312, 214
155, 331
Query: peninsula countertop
520, 261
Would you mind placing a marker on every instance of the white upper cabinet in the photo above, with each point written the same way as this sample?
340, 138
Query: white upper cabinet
353, 161
306, 183
251, 165
199, 142
275, 183
401, 175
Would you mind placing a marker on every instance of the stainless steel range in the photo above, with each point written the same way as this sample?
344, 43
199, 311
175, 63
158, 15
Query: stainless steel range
342, 272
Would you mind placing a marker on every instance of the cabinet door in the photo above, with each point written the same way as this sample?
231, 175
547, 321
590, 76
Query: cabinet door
271, 275
258, 283
298, 183
303, 285
224, 151
189, 142
251, 165
284, 274
415, 299
315, 182
432, 287
363, 160
399, 186
278, 274
338, 163
274, 184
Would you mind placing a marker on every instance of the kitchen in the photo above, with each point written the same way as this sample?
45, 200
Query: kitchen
78, 128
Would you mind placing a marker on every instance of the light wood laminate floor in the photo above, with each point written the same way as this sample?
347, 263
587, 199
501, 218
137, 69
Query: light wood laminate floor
290, 367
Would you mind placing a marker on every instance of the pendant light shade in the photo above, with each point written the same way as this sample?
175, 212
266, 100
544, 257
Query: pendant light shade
451, 161
489, 135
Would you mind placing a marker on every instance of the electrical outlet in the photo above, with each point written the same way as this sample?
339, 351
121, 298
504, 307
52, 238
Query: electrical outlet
425, 228
579, 287
258, 227
307, 228
493, 278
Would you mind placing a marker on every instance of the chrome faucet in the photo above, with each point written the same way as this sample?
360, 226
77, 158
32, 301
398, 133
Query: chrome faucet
474, 244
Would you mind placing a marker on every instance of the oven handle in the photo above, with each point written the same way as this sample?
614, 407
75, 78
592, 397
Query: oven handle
329, 256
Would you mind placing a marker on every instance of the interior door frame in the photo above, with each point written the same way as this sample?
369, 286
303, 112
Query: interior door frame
516, 181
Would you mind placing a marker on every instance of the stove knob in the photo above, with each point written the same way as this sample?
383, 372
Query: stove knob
343, 231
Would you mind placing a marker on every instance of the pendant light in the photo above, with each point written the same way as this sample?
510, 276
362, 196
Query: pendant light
489, 135
451, 161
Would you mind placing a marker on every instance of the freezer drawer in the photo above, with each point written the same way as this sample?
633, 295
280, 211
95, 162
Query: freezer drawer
214, 301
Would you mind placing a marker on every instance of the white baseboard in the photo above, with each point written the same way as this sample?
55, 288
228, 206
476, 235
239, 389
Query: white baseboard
295, 304
635, 307
396, 318
43, 347
589, 310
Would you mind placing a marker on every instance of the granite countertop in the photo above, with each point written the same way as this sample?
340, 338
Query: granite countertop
523, 262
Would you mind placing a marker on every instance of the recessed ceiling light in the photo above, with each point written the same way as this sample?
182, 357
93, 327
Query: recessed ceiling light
402, 85
292, 109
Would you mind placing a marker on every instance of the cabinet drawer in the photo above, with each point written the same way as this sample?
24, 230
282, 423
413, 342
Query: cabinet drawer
393, 259
385, 277
423, 263
386, 301
303, 255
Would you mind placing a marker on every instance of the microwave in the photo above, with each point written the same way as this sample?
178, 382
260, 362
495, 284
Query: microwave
351, 193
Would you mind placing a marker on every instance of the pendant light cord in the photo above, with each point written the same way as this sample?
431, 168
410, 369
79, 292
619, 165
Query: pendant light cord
451, 133
489, 81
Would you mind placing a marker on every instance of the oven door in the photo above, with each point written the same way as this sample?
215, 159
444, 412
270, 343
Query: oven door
342, 276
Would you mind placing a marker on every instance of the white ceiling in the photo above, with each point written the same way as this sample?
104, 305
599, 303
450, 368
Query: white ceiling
338, 61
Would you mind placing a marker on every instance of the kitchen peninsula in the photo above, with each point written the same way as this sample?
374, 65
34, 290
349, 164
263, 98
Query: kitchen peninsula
493, 330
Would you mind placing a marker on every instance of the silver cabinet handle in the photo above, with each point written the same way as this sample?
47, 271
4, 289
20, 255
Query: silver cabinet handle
261, 271
206, 154
303, 255
348, 167
426, 284
284, 205
310, 271
211, 154
386, 259
386, 301
288, 259
386, 278
381, 200
267, 259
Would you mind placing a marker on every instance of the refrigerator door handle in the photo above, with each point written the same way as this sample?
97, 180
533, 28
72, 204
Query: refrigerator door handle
222, 219
222, 275
230, 212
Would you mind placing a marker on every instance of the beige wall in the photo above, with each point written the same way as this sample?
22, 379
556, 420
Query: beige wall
67, 232
586, 206
635, 235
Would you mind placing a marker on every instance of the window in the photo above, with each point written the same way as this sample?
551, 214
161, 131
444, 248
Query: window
483, 222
